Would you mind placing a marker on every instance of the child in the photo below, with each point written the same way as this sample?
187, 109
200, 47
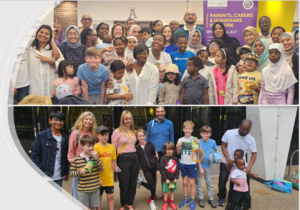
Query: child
149, 164
156, 54
132, 43
157, 26
249, 81
107, 40
107, 154
82, 167
118, 93
169, 169
206, 145
223, 85
188, 166
277, 79
170, 90
194, 88
93, 76
181, 56
66, 76
146, 34
242, 52
213, 47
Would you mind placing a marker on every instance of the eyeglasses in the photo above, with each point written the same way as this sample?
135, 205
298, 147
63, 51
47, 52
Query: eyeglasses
213, 45
250, 61
192, 14
87, 19
264, 23
142, 53
57, 119
92, 35
72, 34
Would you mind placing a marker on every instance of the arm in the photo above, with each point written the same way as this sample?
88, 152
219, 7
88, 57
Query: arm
103, 91
55, 51
185, 74
60, 36
262, 90
99, 163
77, 87
178, 147
211, 94
235, 182
37, 152
72, 145
162, 93
205, 93
224, 150
235, 87
74, 172
252, 161
85, 88
290, 95
171, 133
148, 132
182, 95
228, 167
153, 88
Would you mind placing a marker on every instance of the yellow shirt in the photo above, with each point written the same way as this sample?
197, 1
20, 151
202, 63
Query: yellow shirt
107, 154
245, 94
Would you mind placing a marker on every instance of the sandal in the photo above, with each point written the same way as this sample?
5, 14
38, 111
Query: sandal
122, 208
130, 208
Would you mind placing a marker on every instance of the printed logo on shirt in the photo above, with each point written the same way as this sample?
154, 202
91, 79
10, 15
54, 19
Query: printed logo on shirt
105, 154
177, 59
171, 166
186, 148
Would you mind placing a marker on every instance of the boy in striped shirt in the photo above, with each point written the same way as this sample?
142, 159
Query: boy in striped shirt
89, 181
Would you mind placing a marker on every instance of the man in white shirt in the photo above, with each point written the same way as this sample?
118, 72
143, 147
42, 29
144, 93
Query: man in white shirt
232, 140
265, 25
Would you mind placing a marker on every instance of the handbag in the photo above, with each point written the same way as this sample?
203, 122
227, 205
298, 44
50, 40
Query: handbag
280, 185
124, 145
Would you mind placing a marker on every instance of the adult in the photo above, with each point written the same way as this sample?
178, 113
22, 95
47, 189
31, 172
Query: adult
160, 130
72, 49
50, 149
117, 31
250, 34
195, 40
143, 80
295, 60
129, 23
231, 43
42, 68
88, 38
190, 19
86, 21
232, 140
264, 24
102, 29
134, 31
124, 139
171, 46
276, 32
260, 48
287, 40
174, 25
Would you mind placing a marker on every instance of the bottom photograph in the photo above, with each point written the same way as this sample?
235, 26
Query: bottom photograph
164, 157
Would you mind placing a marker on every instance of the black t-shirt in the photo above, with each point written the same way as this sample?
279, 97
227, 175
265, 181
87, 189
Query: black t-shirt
169, 166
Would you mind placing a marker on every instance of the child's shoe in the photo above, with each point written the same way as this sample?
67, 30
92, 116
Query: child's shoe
165, 206
201, 203
212, 203
152, 206
221, 202
192, 205
184, 203
173, 206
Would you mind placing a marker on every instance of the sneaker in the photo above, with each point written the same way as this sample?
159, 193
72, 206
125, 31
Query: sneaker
221, 202
192, 205
173, 206
201, 203
212, 203
152, 206
184, 203
227, 206
165, 206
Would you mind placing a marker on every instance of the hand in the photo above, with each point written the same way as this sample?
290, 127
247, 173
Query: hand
44, 59
108, 83
117, 169
100, 182
196, 141
74, 93
179, 144
56, 25
109, 48
168, 181
241, 69
54, 93
201, 171
248, 170
129, 67
55, 52
157, 173
83, 171
156, 155
66, 178
127, 97
175, 181
237, 184
15, 91
220, 160
94, 153
254, 87
230, 162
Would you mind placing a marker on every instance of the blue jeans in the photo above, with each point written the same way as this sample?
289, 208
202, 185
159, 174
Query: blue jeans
21, 93
59, 183
74, 190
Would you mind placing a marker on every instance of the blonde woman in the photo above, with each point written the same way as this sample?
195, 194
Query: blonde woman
85, 125
124, 139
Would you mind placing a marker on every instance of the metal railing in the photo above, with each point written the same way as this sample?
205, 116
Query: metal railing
290, 166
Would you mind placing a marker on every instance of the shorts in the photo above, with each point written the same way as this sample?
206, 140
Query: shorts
189, 170
169, 187
108, 190
89, 199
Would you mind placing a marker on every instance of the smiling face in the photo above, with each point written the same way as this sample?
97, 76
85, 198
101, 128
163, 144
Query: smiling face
251, 65
157, 27
249, 38
43, 36
88, 148
213, 47
131, 43
92, 60
264, 24
196, 37
127, 120
276, 35
167, 33
86, 21
287, 42
56, 123
141, 137
73, 35
218, 32
88, 122
205, 135
274, 55
259, 47
182, 44
119, 47
158, 42
188, 130
136, 33
117, 31
204, 57
190, 17
141, 57
103, 30
160, 113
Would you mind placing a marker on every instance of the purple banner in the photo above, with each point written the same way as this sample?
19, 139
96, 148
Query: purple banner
236, 16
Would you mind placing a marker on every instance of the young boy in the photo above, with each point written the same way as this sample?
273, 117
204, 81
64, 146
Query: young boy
194, 88
86, 166
107, 154
146, 35
50, 150
182, 55
107, 41
242, 52
206, 145
169, 169
249, 81
188, 166
93, 76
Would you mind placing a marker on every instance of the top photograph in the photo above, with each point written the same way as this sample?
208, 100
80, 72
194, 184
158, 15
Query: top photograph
168, 53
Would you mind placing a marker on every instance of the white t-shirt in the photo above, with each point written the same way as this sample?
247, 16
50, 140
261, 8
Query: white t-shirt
235, 141
120, 87
213, 60
164, 58
241, 177
186, 156
57, 165
203, 72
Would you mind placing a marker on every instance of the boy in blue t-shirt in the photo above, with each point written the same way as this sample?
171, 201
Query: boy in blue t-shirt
181, 56
93, 76
206, 145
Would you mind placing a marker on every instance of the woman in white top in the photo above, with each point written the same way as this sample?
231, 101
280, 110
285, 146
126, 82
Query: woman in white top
143, 80
42, 67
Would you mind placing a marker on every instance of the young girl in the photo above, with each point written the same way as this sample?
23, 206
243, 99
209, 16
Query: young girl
213, 47
194, 43
260, 48
277, 79
66, 76
169, 168
118, 93
132, 43
223, 85
157, 25
171, 46
170, 90
85, 125
149, 164
242, 52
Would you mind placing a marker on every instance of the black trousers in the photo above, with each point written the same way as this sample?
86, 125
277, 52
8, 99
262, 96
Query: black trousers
238, 197
230, 192
150, 175
129, 165
223, 178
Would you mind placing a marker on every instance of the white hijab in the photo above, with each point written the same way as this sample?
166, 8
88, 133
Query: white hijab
128, 51
278, 76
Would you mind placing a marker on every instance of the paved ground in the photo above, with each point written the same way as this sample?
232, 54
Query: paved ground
272, 201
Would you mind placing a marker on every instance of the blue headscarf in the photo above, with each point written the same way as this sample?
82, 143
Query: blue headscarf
265, 55
296, 47
73, 45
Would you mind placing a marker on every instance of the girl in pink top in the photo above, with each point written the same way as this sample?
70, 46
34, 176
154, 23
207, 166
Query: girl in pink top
66, 76
127, 160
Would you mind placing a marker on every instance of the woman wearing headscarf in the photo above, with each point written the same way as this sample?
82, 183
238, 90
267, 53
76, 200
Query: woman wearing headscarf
277, 79
295, 60
134, 31
194, 43
250, 34
231, 43
287, 40
72, 49
260, 48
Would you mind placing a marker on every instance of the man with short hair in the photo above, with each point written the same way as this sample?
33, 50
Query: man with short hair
174, 25
190, 19
232, 140
86, 21
264, 24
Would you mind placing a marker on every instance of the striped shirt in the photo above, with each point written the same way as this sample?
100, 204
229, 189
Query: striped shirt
87, 182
